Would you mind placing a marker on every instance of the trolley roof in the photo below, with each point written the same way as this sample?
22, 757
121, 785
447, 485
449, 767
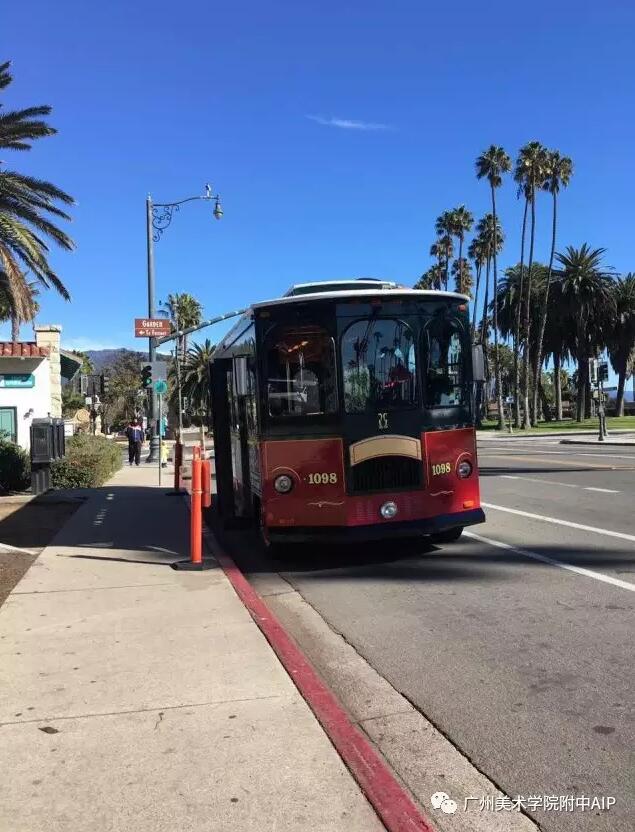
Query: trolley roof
324, 290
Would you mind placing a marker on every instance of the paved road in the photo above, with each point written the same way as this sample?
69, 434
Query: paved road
517, 641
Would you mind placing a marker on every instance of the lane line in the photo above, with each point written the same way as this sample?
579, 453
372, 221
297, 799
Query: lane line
579, 570
558, 522
559, 484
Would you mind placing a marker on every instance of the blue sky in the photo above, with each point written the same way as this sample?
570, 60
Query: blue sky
335, 132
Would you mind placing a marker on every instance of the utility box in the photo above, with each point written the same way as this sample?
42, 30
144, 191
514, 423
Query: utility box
48, 443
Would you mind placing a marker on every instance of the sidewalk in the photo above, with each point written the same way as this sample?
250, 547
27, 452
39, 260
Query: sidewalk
613, 438
136, 698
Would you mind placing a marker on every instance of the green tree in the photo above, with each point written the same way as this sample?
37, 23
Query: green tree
530, 175
587, 291
621, 341
463, 278
462, 222
124, 399
185, 311
490, 235
477, 253
444, 227
492, 165
8, 310
27, 205
196, 384
558, 173
432, 279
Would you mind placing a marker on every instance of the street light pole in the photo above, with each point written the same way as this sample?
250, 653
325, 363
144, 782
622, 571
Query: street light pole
158, 217
154, 439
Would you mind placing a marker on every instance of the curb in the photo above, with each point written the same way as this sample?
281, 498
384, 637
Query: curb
388, 797
607, 443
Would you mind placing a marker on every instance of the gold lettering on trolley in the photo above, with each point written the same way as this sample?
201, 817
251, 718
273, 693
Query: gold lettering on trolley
326, 478
382, 421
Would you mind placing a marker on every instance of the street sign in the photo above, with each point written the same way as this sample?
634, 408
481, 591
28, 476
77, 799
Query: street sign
152, 327
161, 386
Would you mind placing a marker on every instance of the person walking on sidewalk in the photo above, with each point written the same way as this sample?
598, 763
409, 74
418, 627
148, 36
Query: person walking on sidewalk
134, 432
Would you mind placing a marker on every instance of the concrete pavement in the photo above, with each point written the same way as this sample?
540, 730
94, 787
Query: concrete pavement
135, 697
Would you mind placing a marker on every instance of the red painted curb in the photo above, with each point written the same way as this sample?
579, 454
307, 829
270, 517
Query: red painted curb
389, 799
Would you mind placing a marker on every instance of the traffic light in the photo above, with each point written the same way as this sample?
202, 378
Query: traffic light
603, 371
146, 376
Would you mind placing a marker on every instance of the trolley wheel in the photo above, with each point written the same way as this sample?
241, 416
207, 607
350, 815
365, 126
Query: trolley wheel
448, 536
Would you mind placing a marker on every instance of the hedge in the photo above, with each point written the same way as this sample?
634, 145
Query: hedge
15, 468
89, 462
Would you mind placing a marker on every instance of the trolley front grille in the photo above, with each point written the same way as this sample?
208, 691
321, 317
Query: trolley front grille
386, 473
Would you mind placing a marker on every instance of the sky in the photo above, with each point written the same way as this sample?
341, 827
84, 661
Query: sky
335, 133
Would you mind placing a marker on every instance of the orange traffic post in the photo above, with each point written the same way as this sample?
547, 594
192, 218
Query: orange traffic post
196, 561
178, 462
206, 476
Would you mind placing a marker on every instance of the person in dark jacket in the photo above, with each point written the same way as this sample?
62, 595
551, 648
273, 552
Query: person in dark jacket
134, 432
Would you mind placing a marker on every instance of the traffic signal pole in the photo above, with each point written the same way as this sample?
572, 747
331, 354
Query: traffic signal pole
153, 455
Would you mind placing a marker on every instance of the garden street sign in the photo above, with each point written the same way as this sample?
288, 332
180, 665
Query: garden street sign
152, 327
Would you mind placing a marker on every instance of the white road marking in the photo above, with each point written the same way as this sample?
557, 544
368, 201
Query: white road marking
560, 484
579, 570
568, 523
532, 452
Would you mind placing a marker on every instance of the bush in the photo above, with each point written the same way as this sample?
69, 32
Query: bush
89, 462
15, 468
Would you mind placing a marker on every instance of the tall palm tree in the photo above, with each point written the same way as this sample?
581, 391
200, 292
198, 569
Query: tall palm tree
491, 234
462, 222
558, 341
476, 252
196, 386
530, 174
185, 311
444, 227
26, 207
587, 290
558, 173
517, 340
462, 273
622, 336
492, 165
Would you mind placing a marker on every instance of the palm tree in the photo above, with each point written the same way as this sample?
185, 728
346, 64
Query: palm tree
26, 205
492, 164
444, 227
524, 191
185, 311
476, 252
622, 337
587, 291
462, 273
462, 222
196, 386
491, 236
7, 306
530, 174
558, 341
558, 172
432, 279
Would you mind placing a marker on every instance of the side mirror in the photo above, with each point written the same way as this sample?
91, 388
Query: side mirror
478, 363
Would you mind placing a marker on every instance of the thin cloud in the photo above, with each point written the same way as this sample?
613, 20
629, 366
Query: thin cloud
348, 123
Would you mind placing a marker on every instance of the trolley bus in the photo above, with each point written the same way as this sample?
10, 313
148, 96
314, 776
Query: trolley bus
343, 411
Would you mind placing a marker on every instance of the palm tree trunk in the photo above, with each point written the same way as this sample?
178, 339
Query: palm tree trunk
15, 328
484, 340
519, 303
527, 318
545, 303
621, 384
478, 282
583, 372
460, 286
447, 267
557, 384
497, 368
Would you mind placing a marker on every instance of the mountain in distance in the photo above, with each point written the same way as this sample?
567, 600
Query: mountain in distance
103, 359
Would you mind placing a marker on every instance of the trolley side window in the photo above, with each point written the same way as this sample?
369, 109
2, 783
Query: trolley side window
301, 378
444, 357
379, 365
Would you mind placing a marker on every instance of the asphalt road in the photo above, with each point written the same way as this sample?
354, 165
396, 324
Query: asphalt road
517, 641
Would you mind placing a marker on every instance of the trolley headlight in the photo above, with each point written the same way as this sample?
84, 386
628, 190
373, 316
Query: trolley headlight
388, 510
464, 469
283, 484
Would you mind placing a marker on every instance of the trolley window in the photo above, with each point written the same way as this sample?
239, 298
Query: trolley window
301, 378
378, 365
444, 358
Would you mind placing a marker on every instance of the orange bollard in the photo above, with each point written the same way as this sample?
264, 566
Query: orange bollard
196, 518
206, 477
